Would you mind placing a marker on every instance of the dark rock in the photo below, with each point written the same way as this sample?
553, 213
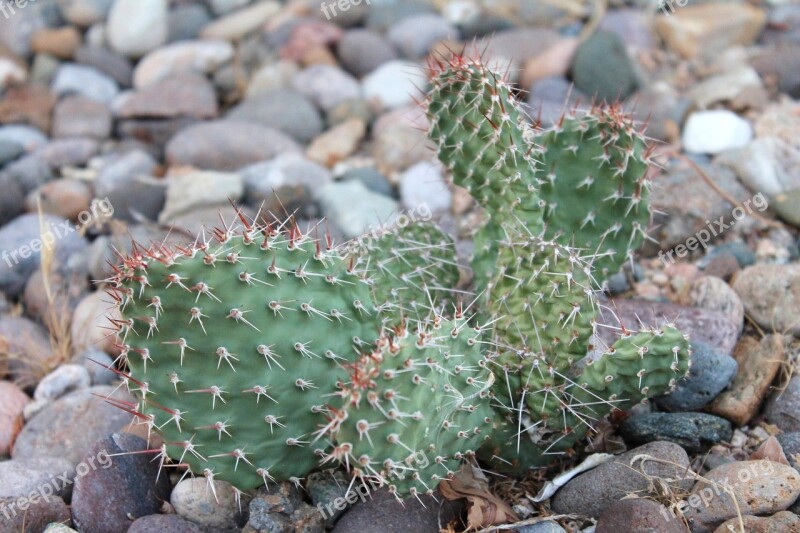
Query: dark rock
12, 201
227, 145
36, 516
126, 180
155, 132
362, 51
71, 425
710, 373
694, 432
10, 150
783, 407
639, 516
372, 179
20, 237
284, 110
114, 65
791, 447
282, 509
602, 69
740, 251
164, 523
324, 487
592, 492
186, 21
384, 509
127, 482
68, 152
29, 172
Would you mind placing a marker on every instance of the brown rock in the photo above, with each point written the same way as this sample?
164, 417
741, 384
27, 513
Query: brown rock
638, 515
759, 487
27, 104
759, 363
66, 198
784, 521
36, 517
60, 42
90, 320
11, 421
771, 295
184, 94
67, 289
78, 116
338, 143
554, 61
710, 28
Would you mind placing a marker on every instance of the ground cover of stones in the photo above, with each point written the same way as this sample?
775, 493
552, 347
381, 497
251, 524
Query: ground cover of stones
166, 110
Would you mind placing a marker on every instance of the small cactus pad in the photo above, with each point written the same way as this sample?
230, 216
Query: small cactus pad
416, 407
234, 345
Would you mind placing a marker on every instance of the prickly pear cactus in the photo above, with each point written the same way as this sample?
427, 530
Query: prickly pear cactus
235, 345
416, 407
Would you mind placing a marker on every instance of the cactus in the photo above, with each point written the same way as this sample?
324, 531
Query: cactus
415, 407
233, 346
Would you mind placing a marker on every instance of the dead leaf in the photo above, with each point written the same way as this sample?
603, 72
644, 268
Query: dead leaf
485, 509
770, 450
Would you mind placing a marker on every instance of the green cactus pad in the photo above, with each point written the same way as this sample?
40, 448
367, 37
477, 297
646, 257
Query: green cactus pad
234, 346
414, 408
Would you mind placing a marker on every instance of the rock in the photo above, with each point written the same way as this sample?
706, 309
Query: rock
686, 203
372, 180
11, 421
290, 180
74, 151
783, 407
222, 7
551, 63
65, 198
400, 140
780, 64
12, 200
723, 267
548, 526
185, 22
323, 488
395, 517
694, 432
354, 209
415, 35
710, 373
327, 85
193, 501
769, 165
22, 477
201, 57
27, 104
337, 143
787, 206
759, 364
278, 75
110, 63
78, 116
383, 15
69, 426
72, 78
639, 515
61, 43
28, 349
11, 73
394, 84
592, 492
709, 327
709, 29
136, 27
633, 25
283, 509
164, 523
186, 94
98, 363
9, 150
37, 515
227, 145
88, 321
508, 50
760, 487
712, 132
281, 109
124, 479
783, 521
26, 136
302, 41
602, 68
709, 292
126, 181
424, 185
740, 251
62, 380
238, 24
85, 12
550, 97
725, 87
194, 189
771, 295
31, 171
362, 51
21, 23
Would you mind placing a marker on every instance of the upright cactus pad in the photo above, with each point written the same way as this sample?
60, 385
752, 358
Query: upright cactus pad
415, 407
235, 345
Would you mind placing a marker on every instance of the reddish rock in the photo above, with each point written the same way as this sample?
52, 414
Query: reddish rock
639, 516
29, 349
27, 104
12, 402
61, 42
66, 198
